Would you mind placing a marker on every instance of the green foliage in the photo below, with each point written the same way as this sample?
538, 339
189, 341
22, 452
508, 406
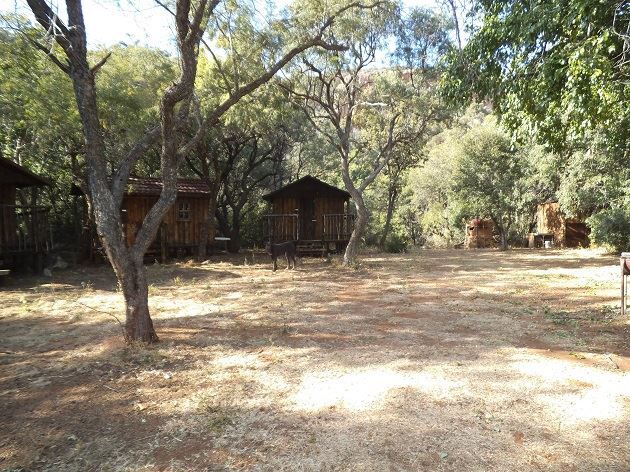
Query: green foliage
432, 196
395, 243
422, 39
473, 170
610, 228
489, 174
549, 68
129, 88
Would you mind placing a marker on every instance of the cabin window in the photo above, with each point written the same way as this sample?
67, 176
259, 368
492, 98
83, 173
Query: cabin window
183, 211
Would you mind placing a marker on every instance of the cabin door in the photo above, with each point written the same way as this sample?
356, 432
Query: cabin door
307, 219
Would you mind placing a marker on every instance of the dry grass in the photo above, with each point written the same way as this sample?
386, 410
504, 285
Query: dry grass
440, 360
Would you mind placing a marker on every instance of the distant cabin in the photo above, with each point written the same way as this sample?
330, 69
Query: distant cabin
25, 236
180, 231
312, 213
553, 226
480, 234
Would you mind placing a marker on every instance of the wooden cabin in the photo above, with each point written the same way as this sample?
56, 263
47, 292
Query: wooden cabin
24, 229
181, 228
480, 234
311, 213
180, 231
553, 226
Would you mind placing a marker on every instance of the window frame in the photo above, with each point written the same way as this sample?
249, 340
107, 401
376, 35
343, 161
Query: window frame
184, 207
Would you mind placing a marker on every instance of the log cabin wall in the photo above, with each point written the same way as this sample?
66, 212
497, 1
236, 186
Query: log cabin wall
327, 205
24, 230
480, 234
7, 194
183, 220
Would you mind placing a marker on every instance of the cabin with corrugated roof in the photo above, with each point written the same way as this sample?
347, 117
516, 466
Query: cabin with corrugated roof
313, 214
25, 236
181, 228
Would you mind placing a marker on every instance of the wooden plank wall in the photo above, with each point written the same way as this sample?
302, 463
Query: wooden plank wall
326, 204
479, 234
179, 233
7, 194
8, 218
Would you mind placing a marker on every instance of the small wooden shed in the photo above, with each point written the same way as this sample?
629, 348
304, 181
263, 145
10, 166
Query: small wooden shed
312, 213
24, 228
181, 228
480, 234
553, 225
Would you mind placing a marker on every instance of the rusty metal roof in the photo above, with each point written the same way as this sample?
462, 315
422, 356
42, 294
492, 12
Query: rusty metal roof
153, 186
139, 186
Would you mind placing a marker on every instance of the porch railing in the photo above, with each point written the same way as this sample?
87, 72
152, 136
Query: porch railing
24, 229
282, 227
338, 227
286, 227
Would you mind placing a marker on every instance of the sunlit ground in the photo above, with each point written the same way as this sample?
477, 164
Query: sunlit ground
434, 360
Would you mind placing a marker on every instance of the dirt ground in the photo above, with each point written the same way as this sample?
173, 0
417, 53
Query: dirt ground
437, 360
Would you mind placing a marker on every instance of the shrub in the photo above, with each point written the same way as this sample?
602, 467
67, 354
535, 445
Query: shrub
395, 244
611, 229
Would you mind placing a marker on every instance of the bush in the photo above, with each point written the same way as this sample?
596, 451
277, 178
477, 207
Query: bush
395, 244
611, 229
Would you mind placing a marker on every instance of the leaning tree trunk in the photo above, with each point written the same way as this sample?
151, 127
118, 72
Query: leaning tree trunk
138, 324
363, 217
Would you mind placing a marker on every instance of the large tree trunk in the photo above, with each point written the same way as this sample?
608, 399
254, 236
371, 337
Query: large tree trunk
138, 323
129, 270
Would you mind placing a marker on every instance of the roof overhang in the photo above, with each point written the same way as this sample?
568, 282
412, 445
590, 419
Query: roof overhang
15, 174
306, 181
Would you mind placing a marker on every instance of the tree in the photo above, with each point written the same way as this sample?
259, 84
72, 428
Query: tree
432, 195
558, 73
491, 177
364, 113
67, 48
549, 68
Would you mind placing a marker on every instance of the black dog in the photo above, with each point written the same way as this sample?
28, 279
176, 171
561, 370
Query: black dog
282, 249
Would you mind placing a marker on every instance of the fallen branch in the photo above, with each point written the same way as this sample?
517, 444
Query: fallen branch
122, 327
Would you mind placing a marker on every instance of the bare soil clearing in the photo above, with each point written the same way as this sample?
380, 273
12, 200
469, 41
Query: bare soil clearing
437, 360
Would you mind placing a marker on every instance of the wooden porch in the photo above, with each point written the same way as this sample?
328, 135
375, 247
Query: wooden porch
329, 234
